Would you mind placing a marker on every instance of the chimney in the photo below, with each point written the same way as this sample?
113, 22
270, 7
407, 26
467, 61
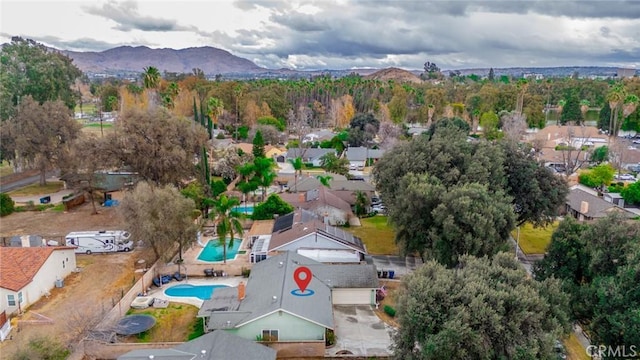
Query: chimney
241, 291
301, 197
584, 207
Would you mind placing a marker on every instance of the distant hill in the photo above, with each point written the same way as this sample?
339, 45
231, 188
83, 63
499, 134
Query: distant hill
134, 59
395, 74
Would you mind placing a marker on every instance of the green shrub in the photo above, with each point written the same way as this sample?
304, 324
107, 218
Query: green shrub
273, 205
7, 205
245, 272
390, 311
218, 187
270, 120
220, 136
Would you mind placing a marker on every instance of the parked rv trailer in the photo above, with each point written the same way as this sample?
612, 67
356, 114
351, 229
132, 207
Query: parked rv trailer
88, 242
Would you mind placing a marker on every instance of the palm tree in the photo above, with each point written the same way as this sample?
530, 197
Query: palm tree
216, 108
227, 221
151, 80
361, 203
615, 97
324, 180
298, 165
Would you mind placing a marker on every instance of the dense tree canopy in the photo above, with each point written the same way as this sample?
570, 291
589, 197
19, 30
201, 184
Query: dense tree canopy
431, 182
157, 145
39, 135
482, 309
28, 68
599, 266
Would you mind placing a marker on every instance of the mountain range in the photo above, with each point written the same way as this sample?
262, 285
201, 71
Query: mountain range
128, 60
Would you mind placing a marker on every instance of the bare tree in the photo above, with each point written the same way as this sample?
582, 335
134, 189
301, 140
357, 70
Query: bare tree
88, 155
157, 145
575, 152
514, 124
388, 134
160, 217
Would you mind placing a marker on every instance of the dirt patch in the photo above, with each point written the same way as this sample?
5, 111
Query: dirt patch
54, 225
173, 324
390, 300
68, 312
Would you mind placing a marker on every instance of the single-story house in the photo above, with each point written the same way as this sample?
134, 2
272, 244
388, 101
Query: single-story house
270, 151
584, 206
346, 189
28, 273
308, 155
305, 233
320, 135
272, 307
358, 156
323, 203
216, 345
307, 182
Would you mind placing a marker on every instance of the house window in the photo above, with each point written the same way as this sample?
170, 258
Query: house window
20, 297
11, 300
269, 335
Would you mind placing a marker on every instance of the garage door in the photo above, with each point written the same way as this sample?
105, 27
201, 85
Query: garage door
352, 296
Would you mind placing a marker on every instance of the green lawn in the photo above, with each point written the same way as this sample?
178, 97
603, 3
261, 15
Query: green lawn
534, 240
377, 235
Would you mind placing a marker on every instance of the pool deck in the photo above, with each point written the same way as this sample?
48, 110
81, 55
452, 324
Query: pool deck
159, 292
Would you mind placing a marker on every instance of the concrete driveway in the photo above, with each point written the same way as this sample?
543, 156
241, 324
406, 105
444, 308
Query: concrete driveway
401, 265
359, 332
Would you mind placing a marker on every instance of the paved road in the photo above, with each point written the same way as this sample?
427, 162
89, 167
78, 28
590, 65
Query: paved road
6, 187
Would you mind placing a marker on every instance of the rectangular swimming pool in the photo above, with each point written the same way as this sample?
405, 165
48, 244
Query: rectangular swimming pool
213, 251
246, 209
202, 292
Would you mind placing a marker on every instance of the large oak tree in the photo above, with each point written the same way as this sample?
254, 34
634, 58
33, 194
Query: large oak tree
159, 146
482, 309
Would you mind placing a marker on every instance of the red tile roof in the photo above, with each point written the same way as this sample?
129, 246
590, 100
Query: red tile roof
18, 266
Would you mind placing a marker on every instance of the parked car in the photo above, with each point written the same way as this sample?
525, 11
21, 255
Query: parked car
624, 177
380, 208
375, 201
636, 141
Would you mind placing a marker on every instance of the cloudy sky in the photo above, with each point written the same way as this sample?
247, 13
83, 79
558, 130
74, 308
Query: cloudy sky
342, 34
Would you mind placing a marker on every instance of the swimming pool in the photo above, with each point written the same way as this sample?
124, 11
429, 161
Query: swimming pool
213, 251
202, 292
247, 209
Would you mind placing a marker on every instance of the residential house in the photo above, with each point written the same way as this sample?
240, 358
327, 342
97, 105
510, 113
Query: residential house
359, 156
216, 345
338, 186
551, 139
320, 135
305, 233
270, 151
309, 155
258, 239
323, 203
584, 206
28, 273
271, 306
614, 198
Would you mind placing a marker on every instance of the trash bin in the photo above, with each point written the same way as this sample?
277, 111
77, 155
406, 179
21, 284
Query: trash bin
45, 200
384, 274
59, 283
107, 197
391, 274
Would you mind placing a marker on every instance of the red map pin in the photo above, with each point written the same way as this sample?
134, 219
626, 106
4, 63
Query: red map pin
302, 276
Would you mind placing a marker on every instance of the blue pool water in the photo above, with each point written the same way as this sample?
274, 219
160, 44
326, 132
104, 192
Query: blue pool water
202, 292
247, 209
213, 252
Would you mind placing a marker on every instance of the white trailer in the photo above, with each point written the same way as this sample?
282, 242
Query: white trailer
88, 242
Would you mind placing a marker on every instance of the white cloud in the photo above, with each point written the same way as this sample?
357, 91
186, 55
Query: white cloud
321, 34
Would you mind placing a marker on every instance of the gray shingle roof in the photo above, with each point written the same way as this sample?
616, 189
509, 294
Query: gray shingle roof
347, 276
269, 290
598, 207
308, 154
218, 345
304, 224
361, 153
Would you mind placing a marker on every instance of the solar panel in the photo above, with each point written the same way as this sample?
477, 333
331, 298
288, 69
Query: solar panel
283, 222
